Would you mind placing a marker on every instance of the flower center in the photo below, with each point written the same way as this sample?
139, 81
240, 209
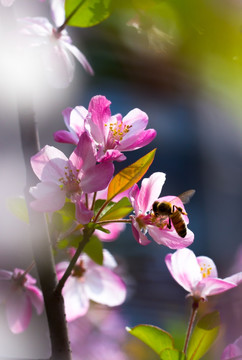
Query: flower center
206, 270
70, 182
117, 131
78, 270
19, 279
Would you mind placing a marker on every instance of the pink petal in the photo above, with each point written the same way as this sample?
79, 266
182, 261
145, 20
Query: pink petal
80, 57
38, 29
139, 236
108, 260
99, 108
83, 156
235, 279
105, 287
134, 198
5, 275
97, 178
63, 136
49, 164
150, 190
58, 11
77, 120
109, 155
138, 141
18, 311
211, 286
36, 297
207, 264
83, 215
184, 268
230, 352
61, 268
49, 197
59, 63
75, 298
170, 238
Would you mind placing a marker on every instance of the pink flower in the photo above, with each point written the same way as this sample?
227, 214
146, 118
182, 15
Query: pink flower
233, 351
111, 134
90, 281
19, 293
144, 221
56, 49
62, 177
198, 275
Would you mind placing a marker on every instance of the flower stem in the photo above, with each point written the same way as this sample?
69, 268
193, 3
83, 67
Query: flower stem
60, 28
87, 233
191, 322
127, 221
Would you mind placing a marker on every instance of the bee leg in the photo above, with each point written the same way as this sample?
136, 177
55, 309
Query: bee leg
169, 224
179, 209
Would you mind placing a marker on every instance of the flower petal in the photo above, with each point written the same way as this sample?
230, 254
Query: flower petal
170, 238
97, 178
214, 286
75, 298
63, 136
235, 279
184, 268
49, 197
18, 311
36, 297
99, 109
137, 141
104, 287
49, 164
138, 234
150, 190
207, 266
80, 57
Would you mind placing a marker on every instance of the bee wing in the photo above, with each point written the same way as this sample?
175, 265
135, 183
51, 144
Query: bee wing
186, 196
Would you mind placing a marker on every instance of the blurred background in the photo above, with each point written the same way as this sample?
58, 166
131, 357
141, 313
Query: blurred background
181, 63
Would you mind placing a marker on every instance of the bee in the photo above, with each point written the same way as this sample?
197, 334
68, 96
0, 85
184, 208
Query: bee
174, 213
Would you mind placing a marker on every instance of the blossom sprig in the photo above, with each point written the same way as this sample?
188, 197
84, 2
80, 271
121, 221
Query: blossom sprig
111, 134
233, 351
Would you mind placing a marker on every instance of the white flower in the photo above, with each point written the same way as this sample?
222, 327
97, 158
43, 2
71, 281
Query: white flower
56, 49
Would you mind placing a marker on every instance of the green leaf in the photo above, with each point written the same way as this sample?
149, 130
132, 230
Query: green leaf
172, 354
99, 227
130, 175
18, 207
94, 249
203, 336
156, 338
119, 210
86, 13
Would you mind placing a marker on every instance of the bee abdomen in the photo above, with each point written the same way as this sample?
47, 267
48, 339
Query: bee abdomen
179, 224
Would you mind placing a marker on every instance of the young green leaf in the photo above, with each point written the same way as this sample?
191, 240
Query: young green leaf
156, 338
130, 175
203, 336
94, 250
172, 354
119, 210
18, 207
86, 13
